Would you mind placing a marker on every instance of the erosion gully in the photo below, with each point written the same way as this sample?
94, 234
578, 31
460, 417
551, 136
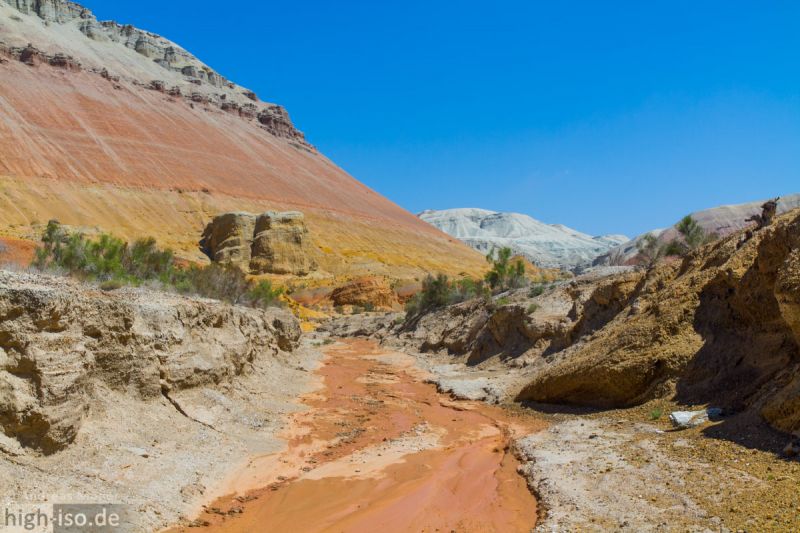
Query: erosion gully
379, 449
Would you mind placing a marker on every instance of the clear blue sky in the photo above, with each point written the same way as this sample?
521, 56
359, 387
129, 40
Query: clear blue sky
610, 117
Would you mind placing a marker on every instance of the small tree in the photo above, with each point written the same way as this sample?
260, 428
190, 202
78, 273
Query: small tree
505, 274
650, 249
693, 233
693, 236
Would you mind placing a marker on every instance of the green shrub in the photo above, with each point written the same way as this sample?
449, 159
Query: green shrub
263, 294
144, 260
217, 281
532, 308
692, 237
650, 249
504, 274
111, 285
439, 291
537, 290
655, 414
116, 262
369, 307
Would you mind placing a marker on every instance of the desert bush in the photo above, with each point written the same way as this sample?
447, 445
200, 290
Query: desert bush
468, 288
438, 291
537, 290
116, 262
264, 294
217, 281
144, 260
692, 237
650, 249
505, 274
532, 308
111, 285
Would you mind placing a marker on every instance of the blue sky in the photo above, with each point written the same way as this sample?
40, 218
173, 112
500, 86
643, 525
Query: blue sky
610, 117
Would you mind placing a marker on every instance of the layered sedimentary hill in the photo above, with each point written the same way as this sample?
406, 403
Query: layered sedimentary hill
106, 125
546, 245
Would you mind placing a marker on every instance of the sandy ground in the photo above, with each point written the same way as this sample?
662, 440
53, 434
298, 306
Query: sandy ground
380, 450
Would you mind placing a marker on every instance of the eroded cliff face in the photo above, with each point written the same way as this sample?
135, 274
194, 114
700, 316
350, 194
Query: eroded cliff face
104, 125
62, 343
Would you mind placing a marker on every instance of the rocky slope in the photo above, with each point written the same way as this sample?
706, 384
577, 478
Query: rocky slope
719, 326
107, 125
546, 245
722, 220
136, 396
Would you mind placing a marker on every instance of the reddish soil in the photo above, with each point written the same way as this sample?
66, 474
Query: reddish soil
16, 251
380, 450
76, 126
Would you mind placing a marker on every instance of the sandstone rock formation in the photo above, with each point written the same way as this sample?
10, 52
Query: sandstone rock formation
229, 239
107, 125
281, 244
365, 291
546, 245
271, 242
61, 342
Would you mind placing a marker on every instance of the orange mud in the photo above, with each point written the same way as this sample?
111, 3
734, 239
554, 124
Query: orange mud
380, 450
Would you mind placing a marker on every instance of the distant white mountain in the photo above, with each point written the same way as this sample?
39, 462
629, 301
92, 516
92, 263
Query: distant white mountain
546, 245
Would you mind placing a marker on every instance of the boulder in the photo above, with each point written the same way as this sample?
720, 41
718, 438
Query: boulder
690, 419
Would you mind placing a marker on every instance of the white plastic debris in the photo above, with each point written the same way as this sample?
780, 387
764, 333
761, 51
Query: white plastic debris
690, 419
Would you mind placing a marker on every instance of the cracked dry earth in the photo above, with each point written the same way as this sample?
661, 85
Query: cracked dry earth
378, 449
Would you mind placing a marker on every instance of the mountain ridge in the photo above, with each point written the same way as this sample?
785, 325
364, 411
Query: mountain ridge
546, 245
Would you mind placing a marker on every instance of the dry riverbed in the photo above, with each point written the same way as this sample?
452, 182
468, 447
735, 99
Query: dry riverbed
378, 449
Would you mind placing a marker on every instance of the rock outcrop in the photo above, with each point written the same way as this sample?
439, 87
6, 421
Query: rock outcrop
366, 291
272, 242
188, 75
546, 245
229, 239
60, 341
